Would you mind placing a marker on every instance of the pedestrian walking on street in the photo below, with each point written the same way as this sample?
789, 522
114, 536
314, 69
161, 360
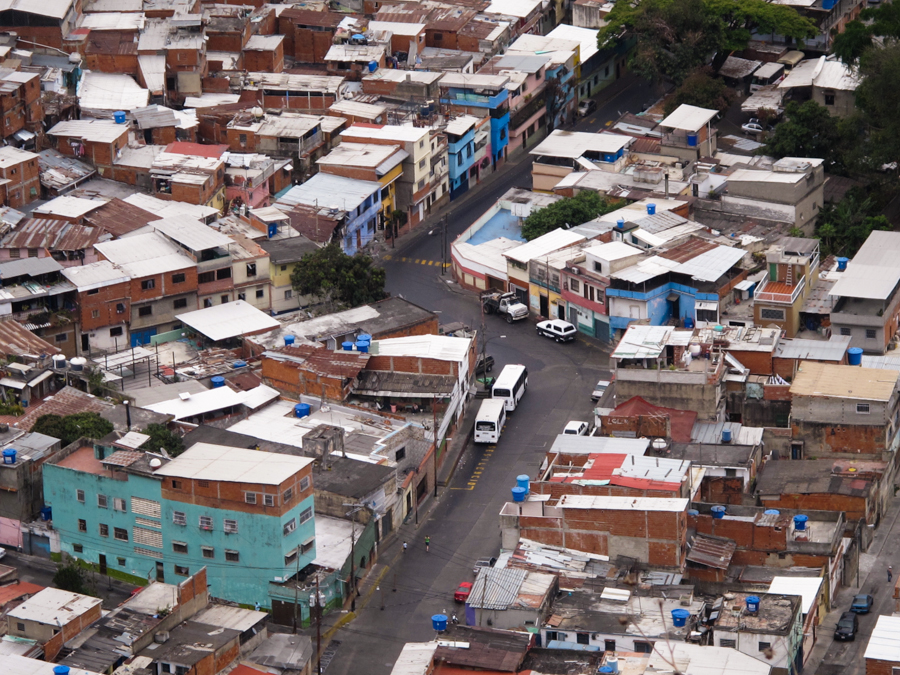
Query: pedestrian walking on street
404, 547
427, 543
890, 574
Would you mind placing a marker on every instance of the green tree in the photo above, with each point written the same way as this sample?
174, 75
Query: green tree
809, 130
70, 428
675, 37
333, 276
878, 100
845, 226
567, 212
857, 36
162, 437
702, 89
71, 577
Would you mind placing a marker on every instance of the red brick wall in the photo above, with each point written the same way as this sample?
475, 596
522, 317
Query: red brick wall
759, 363
104, 302
876, 667
412, 364
854, 507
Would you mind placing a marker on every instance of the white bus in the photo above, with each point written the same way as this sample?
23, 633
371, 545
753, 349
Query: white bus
490, 421
510, 386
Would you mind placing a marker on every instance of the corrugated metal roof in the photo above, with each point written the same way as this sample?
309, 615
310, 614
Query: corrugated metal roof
573, 144
191, 234
496, 588
829, 380
15, 340
439, 347
59, 171
145, 254
814, 350
111, 91
544, 245
712, 264
32, 267
233, 319
873, 273
715, 552
688, 118
608, 503
806, 587
205, 461
67, 205
710, 433
884, 643
326, 190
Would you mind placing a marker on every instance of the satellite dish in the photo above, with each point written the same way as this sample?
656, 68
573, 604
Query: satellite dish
155, 463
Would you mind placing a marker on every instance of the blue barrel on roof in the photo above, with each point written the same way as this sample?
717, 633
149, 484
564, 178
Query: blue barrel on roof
854, 356
47, 513
218, 381
364, 336
726, 435
772, 512
519, 493
752, 604
651, 209
692, 140
439, 622
373, 66
800, 522
362, 347
119, 116
9, 456
842, 264
239, 364
347, 346
688, 322
693, 512
60, 670
606, 669
302, 410
718, 511
680, 617
288, 340
523, 481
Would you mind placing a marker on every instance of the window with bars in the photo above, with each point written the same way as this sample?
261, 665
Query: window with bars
287, 496
104, 530
79, 495
269, 500
232, 556
250, 497
231, 526
120, 533
290, 526
179, 518
305, 515
102, 501
304, 484
179, 547
206, 523
208, 551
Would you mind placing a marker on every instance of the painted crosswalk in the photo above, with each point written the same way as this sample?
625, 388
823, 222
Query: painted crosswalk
416, 261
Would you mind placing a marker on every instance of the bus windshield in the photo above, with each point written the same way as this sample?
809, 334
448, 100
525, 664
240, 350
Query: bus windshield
501, 393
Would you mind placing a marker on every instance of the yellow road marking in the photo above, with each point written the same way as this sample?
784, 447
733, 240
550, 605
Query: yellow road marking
609, 123
468, 488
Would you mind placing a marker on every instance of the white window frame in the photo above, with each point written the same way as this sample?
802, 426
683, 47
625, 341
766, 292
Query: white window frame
179, 518
230, 526
79, 495
306, 514
268, 500
250, 498
119, 504
102, 501
289, 526
205, 522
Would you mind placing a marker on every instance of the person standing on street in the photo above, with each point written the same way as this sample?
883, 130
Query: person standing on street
404, 547
890, 574
427, 543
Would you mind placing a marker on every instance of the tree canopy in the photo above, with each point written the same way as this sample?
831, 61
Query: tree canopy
702, 89
70, 428
566, 213
878, 100
809, 130
845, 226
675, 37
857, 36
331, 275
161, 437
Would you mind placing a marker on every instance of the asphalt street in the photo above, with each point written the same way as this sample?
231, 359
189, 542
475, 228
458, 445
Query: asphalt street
464, 525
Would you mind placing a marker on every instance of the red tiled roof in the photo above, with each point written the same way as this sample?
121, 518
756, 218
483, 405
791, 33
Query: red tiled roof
681, 422
14, 591
197, 149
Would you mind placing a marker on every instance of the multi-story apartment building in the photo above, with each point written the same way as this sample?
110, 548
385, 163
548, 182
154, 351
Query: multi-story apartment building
792, 272
481, 96
21, 177
103, 305
245, 515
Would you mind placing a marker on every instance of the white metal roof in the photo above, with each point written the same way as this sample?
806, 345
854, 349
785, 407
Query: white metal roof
544, 245
688, 118
56, 9
170, 209
232, 319
570, 444
357, 108
22, 665
461, 125
835, 75
806, 587
517, 8
11, 155
54, 606
191, 233
873, 273
610, 503
643, 342
586, 38
397, 27
367, 155
100, 21
263, 43
296, 82
415, 659
476, 81
205, 461
762, 176
95, 275
205, 100
223, 616
145, 255
614, 250
334, 537
97, 131
487, 257
712, 264
390, 132
884, 643
574, 144
769, 69
67, 205
325, 190
153, 69
645, 269
198, 403
354, 53
111, 91
439, 347
391, 75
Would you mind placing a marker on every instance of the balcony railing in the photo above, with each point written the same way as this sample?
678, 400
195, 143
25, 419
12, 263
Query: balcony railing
779, 296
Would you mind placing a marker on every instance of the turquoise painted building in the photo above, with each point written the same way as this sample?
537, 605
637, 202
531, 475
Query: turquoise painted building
246, 515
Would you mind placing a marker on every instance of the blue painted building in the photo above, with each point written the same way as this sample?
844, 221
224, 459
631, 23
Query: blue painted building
245, 515
354, 203
460, 153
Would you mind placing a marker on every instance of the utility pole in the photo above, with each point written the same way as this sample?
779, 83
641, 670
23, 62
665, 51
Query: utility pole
443, 243
318, 628
352, 514
483, 348
297, 588
434, 454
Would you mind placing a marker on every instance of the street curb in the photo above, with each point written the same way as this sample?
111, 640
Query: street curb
444, 483
340, 623
350, 616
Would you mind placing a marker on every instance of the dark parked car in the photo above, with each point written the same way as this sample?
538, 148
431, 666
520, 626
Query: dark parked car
862, 604
484, 365
847, 627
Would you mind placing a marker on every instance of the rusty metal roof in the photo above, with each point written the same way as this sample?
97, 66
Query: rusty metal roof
119, 217
711, 551
16, 340
123, 458
55, 235
322, 361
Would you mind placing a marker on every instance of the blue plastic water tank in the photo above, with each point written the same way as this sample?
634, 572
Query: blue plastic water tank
693, 512
688, 322
288, 339
651, 209
347, 346
60, 670
365, 337
439, 622
218, 381
606, 669
239, 364
772, 512
9, 456
726, 435
47, 513
718, 511
119, 116
519, 493
373, 66
842, 264
752, 604
302, 410
24, 403
620, 223
523, 481
680, 617
800, 522
692, 140
362, 347
854, 356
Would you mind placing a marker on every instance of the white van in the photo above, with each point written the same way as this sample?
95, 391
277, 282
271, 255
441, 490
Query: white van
576, 428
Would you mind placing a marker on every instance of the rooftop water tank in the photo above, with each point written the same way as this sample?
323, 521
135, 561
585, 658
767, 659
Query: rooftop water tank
288, 340
688, 322
218, 381
693, 512
606, 670
726, 435
9, 456
78, 363
522, 481
752, 604
373, 66
718, 328
854, 356
800, 522
439, 622
239, 364
692, 140
620, 223
842, 264
718, 511
365, 337
680, 617
772, 512
302, 410
651, 209
518, 494
60, 670
155, 463
613, 662
119, 116
362, 347
47, 513
59, 361
347, 346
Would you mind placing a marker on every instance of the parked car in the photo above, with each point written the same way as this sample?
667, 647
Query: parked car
600, 389
559, 330
586, 107
483, 562
862, 604
576, 428
847, 627
484, 364
755, 127
462, 591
